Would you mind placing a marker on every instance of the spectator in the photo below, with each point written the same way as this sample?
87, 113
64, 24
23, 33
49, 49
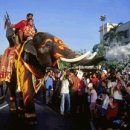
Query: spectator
75, 81
118, 97
94, 80
111, 112
105, 103
49, 86
65, 96
92, 92
81, 96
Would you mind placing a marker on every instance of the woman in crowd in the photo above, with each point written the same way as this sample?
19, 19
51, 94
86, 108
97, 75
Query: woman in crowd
93, 97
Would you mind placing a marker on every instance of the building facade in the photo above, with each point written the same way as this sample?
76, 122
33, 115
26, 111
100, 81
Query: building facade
104, 29
125, 27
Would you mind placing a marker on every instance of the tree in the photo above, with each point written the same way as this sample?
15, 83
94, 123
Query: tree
100, 49
114, 34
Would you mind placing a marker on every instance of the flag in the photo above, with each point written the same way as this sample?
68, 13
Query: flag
8, 18
62, 65
5, 22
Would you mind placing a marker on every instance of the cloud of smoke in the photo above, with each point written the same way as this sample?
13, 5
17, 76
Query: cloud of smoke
119, 53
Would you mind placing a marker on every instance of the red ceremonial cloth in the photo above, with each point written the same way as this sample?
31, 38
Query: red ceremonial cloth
7, 62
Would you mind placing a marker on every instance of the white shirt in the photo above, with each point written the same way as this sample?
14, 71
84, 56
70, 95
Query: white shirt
105, 103
65, 86
93, 96
117, 95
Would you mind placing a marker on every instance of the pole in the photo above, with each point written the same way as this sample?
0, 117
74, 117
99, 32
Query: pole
102, 18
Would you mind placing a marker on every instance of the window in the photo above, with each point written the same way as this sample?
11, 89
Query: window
126, 33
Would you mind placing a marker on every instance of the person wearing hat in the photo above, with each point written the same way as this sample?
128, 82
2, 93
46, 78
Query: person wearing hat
93, 97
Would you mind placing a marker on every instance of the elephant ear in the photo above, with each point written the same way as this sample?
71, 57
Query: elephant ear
29, 48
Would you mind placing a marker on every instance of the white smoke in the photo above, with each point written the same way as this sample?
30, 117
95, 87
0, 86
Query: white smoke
119, 53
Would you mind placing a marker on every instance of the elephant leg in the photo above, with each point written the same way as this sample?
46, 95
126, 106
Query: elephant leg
1, 92
12, 85
12, 98
28, 96
21, 112
21, 103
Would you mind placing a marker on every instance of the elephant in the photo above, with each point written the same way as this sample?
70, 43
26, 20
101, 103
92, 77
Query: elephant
43, 51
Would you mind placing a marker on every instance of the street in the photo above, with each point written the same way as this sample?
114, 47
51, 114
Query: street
48, 119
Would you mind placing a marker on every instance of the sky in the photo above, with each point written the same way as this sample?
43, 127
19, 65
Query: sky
76, 22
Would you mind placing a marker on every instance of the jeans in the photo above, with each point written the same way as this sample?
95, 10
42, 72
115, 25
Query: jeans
49, 94
65, 97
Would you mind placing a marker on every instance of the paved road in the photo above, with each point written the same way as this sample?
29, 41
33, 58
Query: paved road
48, 119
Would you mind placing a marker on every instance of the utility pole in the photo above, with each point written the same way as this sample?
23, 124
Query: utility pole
102, 19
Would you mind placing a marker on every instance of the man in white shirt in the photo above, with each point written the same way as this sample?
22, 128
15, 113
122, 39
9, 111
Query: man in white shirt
65, 96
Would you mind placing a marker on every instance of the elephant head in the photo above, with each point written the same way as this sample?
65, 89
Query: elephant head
46, 49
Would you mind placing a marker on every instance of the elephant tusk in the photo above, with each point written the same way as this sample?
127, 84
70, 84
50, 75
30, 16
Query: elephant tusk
76, 59
92, 56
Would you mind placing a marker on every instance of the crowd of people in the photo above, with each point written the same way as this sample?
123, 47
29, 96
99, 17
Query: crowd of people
103, 95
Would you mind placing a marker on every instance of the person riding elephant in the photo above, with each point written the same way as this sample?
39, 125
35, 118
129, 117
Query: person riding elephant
29, 30
7, 73
20, 27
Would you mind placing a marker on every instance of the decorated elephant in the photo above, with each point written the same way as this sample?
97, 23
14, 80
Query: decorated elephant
44, 50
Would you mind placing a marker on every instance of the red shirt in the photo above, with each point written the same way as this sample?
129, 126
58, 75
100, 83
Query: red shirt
94, 81
20, 25
81, 84
112, 112
76, 82
118, 87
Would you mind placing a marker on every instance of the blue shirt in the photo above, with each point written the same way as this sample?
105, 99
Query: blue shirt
49, 83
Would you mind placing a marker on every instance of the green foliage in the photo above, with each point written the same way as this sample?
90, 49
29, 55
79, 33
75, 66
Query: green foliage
114, 64
114, 34
100, 49
63, 65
